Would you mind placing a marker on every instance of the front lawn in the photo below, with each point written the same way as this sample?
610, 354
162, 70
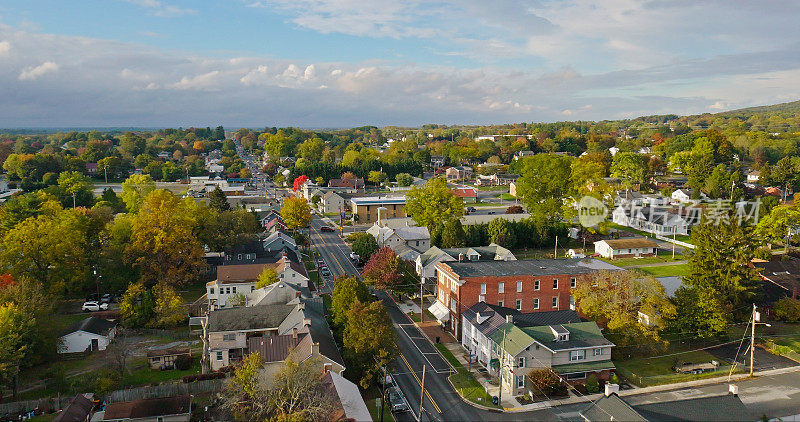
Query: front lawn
666, 270
627, 262
141, 374
463, 381
645, 372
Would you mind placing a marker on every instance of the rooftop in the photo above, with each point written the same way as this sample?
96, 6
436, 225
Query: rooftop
92, 325
638, 242
148, 408
531, 267
249, 318
378, 200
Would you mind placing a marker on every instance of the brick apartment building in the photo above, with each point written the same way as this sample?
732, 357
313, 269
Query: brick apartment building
527, 285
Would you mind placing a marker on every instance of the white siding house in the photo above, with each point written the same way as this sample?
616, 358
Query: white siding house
625, 248
90, 334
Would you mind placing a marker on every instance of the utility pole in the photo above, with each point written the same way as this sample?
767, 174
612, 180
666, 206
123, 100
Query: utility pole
73, 200
753, 339
105, 172
555, 249
422, 394
383, 390
674, 239
421, 308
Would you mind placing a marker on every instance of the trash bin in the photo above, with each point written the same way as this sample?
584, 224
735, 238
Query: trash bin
438, 339
495, 400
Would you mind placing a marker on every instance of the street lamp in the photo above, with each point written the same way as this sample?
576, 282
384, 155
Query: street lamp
756, 317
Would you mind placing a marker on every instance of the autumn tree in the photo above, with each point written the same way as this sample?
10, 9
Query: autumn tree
294, 393
135, 189
386, 270
369, 350
616, 300
267, 277
296, 213
433, 203
163, 243
298, 182
15, 326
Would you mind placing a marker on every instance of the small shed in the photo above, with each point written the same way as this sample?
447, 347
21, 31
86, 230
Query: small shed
90, 334
165, 358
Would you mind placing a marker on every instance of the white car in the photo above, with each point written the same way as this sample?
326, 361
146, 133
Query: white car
93, 306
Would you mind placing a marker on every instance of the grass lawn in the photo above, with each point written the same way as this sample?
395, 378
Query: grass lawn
656, 371
507, 197
491, 188
666, 270
463, 381
374, 410
627, 262
141, 374
539, 253
193, 293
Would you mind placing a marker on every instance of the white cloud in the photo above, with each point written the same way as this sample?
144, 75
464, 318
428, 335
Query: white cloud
160, 9
206, 81
5, 48
32, 73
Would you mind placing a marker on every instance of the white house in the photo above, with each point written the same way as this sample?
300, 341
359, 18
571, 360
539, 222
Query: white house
90, 334
415, 237
682, 195
657, 220
235, 283
279, 240
426, 262
625, 248
332, 202
753, 176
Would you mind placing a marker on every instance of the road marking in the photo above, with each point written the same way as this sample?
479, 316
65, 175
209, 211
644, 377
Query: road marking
420, 384
332, 254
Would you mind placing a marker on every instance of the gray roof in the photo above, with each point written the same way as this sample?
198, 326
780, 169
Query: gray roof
92, 325
717, 408
249, 318
532, 267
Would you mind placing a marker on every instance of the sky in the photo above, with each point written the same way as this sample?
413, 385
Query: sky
344, 63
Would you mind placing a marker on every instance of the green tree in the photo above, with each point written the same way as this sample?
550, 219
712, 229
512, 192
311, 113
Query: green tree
364, 245
501, 233
369, 350
137, 307
543, 184
404, 179
376, 177
311, 148
15, 329
433, 203
788, 309
348, 291
720, 278
774, 227
135, 189
630, 167
267, 277
218, 201
453, 235
169, 310
296, 213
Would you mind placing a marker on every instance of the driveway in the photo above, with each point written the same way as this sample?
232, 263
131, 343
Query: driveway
763, 360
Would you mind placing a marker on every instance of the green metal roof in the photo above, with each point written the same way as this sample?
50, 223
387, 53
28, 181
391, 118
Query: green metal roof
581, 334
511, 338
572, 368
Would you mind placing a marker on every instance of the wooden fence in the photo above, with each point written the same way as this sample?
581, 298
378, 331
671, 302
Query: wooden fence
48, 405
167, 390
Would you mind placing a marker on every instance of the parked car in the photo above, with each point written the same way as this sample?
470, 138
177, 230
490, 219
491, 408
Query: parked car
354, 256
325, 272
327, 229
471, 209
321, 263
106, 298
94, 306
397, 401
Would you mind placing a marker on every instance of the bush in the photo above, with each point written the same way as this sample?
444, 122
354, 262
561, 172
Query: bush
546, 382
788, 309
183, 362
614, 379
592, 385
203, 377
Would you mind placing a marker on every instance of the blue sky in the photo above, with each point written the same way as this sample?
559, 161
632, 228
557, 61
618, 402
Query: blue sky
337, 63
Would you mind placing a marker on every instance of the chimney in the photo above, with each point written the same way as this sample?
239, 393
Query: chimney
294, 332
510, 319
611, 389
733, 389
460, 257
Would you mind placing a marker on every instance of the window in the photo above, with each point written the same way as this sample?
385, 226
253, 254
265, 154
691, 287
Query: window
536, 285
520, 381
555, 284
537, 347
239, 257
577, 355
500, 303
555, 302
521, 362
483, 288
227, 290
519, 304
234, 289
482, 298
219, 355
247, 256
573, 283
598, 351
536, 303
156, 359
453, 304
228, 337
519, 286
501, 287
576, 376
211, 291
252, 288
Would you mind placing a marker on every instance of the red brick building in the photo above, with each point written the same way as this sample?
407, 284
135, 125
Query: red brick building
528, 286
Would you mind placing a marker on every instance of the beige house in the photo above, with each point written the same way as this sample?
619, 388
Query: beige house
373, 208
626, 248
332, 202
235, 283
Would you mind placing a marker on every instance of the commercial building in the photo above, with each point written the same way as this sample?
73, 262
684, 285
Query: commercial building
374, 208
